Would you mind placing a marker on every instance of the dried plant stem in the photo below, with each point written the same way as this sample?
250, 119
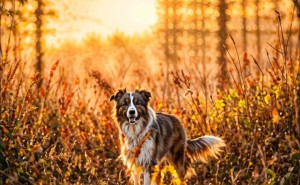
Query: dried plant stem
274, 48
239, 60
236, 84
204, 89
177, 95
237, 70
271, 63
262, 73
192, 109
281, 35
281, 70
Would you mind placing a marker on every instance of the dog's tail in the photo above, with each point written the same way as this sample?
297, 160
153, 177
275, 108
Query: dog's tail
203, 148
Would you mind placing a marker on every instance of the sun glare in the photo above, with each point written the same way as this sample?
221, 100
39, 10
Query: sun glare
103, 17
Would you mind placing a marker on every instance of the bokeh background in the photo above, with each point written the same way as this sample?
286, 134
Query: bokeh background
224, 67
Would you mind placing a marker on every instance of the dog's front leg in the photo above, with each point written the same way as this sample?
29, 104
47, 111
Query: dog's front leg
147, 176
136, 178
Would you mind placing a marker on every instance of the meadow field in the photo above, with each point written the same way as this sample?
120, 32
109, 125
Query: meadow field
56, 124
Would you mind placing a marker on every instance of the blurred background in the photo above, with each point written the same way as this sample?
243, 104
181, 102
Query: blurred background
228, 68
135, 41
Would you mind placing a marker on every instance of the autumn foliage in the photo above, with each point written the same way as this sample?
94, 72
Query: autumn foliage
51, 135
61, 133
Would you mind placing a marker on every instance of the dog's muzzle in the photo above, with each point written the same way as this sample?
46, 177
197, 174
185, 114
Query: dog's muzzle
132, 116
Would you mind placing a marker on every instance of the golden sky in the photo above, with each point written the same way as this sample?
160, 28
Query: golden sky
76, 18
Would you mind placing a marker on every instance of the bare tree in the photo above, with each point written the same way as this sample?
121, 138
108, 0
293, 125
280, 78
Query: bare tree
244, 4
170, 30
198, 32
38, 46
258, 31
223, 32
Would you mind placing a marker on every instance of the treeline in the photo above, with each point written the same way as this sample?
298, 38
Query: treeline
197, 31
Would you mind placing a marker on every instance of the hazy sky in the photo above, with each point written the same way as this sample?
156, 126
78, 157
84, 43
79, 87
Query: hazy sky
78, 17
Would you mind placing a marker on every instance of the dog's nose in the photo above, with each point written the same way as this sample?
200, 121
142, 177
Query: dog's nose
132, 112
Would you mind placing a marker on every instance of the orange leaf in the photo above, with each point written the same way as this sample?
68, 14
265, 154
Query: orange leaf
42, 92
274, 112
275, 115
53, 68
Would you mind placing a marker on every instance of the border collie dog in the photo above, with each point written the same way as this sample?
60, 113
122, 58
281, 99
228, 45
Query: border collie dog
147, 137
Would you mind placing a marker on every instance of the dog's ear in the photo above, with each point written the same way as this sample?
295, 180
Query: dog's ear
146, 95
117, 95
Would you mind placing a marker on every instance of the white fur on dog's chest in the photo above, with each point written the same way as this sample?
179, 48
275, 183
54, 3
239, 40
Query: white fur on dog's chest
134, 135
146, 152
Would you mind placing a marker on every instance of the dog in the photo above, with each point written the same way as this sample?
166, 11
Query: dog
147, 138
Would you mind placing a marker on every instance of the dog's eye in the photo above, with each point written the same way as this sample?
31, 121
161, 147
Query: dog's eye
138, 103
123, 104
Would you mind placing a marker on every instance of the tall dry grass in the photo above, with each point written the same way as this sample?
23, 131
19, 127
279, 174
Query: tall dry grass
58, 135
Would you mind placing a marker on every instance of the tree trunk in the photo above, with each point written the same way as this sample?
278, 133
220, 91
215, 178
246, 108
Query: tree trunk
258, 39
223, 18
244, 26
38, 46
166, 47
203, 35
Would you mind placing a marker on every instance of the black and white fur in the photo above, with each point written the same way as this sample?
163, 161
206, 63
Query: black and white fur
167, 140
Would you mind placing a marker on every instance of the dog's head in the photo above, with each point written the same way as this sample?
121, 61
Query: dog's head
131, 106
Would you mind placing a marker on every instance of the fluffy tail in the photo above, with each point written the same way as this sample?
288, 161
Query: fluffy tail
202, 148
